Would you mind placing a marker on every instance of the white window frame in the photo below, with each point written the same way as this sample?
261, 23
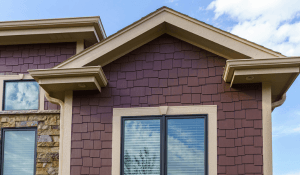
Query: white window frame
209, 110
19, 77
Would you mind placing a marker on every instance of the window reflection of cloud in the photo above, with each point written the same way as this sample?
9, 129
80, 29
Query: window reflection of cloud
186, 146
19, 152
140, 132
21, 95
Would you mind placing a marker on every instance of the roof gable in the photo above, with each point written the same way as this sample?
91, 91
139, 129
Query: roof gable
166, 20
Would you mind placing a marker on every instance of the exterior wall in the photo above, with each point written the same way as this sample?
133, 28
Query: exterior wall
17, 59
170, 72
48, 136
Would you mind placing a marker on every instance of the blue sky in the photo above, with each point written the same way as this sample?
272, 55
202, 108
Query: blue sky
274, 24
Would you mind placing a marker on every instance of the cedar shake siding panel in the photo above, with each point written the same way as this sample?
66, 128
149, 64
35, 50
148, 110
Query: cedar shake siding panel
17, 59
168, 71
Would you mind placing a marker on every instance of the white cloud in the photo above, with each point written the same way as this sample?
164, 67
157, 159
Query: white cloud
293, 173
286, 127
283, 130
270, 23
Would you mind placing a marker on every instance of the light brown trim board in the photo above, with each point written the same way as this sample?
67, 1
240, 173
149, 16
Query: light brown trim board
267, 128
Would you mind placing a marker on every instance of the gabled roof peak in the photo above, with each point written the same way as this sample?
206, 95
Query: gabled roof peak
166, 20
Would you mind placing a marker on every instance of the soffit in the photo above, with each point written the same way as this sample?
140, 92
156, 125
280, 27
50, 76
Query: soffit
56, 81
166, 20
280, 72
89, 29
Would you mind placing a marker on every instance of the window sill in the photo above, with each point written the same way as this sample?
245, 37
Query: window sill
31, 112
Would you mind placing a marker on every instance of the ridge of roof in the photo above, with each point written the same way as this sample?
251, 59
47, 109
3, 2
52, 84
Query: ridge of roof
165, 8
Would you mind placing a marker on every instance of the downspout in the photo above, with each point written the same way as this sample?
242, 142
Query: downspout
279, 102
61, 103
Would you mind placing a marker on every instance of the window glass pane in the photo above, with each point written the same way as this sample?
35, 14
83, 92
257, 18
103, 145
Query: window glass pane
19, 149
21, 95
185, 146
142, 147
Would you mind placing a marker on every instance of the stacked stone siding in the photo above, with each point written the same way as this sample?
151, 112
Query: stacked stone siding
168, 71
17, 59
47, 124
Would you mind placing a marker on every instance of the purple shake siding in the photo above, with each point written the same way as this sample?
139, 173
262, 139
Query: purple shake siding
17, 59
168, 71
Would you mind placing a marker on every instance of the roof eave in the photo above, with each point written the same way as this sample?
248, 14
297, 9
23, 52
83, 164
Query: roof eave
52, 30
280, 72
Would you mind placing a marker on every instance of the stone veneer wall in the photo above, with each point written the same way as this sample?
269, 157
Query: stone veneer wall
17, 59
168, 71
47, 123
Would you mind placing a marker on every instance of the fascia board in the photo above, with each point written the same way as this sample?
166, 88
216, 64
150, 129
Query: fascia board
112, 42
48, 23
166, 15
219, 36
47, 31
282, 70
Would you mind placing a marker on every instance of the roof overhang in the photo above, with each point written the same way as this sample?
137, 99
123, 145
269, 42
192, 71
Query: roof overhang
89, 29
280, 72
56, 81
166, 20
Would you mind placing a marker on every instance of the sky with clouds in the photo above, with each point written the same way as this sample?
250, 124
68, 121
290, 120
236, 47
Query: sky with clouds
271, 23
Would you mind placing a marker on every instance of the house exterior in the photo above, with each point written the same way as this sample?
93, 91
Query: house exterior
167, 94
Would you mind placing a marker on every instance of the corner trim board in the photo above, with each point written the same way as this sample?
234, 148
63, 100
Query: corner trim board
267, 128
65, 131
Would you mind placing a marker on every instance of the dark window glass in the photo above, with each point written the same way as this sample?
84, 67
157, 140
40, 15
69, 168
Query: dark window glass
164, 145
21, 95
19, 151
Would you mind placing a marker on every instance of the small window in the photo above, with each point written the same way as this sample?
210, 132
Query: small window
18, 151
21, 95
164, 145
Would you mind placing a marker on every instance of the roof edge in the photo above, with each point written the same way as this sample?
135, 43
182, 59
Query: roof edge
94, 21
171, 11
